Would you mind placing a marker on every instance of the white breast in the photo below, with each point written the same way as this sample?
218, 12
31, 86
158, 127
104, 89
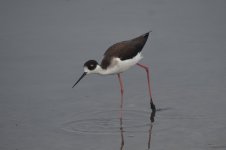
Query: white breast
118, 66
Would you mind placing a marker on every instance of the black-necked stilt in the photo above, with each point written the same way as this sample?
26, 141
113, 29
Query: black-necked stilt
117, 59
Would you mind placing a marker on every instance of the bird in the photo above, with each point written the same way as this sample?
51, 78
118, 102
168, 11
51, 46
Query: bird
118, 58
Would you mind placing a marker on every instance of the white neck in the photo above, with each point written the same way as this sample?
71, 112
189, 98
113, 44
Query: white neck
100, 70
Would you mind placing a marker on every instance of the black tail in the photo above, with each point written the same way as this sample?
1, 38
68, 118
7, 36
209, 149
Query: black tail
146, 34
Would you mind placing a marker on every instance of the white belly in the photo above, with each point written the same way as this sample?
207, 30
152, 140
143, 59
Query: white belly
118, 66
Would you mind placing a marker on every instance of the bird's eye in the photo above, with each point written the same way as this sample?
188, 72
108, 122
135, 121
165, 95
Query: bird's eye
91, 66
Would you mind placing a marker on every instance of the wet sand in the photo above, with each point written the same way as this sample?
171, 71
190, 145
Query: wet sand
43, 45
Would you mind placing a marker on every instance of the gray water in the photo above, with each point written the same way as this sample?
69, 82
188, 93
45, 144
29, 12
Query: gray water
43, 45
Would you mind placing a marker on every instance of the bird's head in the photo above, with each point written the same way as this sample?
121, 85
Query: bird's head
91, 66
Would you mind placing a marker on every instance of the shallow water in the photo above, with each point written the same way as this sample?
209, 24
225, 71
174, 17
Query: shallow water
43, 45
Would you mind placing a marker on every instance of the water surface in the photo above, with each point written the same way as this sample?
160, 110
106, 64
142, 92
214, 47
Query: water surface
43, 45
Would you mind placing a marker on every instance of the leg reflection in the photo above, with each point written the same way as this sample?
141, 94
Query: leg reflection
122, 136
152, 119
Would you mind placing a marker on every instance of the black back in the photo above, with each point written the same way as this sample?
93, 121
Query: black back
124, 50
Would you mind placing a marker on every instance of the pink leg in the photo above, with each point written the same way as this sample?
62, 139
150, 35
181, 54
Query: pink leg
122, 91
149, 86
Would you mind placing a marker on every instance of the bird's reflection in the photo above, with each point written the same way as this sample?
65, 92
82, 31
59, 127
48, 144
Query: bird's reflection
122, 135
152, 119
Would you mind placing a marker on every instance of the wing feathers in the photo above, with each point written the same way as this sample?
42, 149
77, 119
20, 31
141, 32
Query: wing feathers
124, 50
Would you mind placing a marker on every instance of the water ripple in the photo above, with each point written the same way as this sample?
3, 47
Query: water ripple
105, 122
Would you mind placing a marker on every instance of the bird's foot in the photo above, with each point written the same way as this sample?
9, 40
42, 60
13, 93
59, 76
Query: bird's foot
153, 108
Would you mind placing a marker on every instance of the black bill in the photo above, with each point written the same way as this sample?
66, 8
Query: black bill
79, 79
